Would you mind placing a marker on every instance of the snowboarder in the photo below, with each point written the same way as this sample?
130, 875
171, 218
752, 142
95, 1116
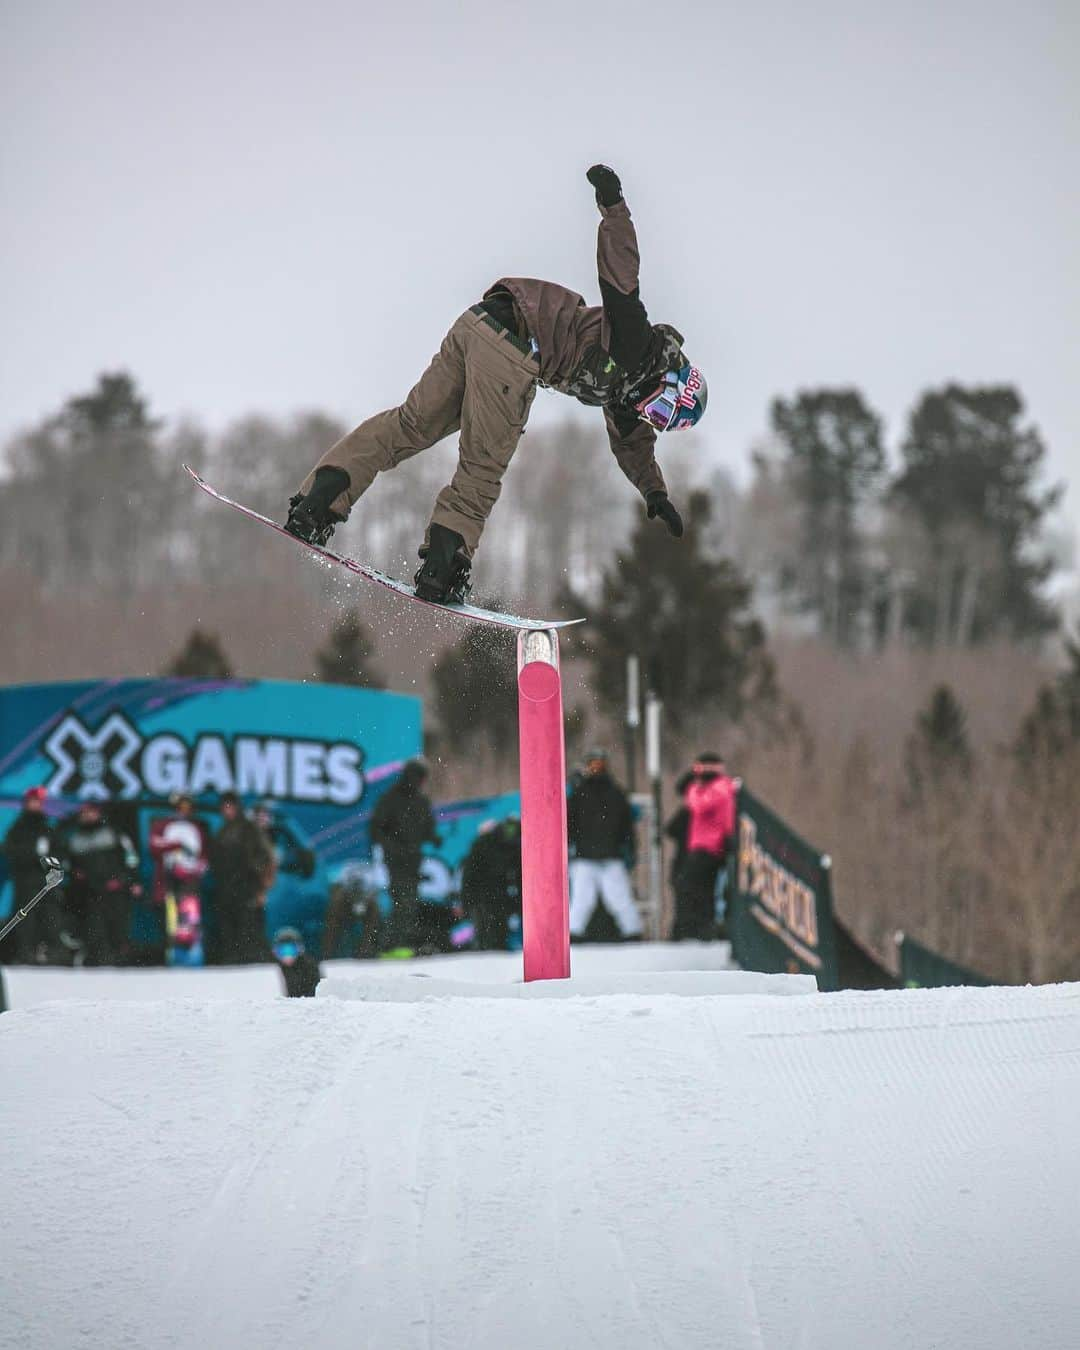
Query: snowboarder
482, 381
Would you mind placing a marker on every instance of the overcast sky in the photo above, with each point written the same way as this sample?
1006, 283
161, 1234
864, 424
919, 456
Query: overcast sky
276, 206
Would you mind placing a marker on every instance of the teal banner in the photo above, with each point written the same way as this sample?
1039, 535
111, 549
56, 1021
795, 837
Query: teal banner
780, 912
317, 756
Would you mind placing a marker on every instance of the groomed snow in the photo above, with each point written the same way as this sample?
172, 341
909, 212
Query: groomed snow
622, 1170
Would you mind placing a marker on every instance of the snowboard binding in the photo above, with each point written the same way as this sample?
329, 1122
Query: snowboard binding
310, 517
308, 525
443, 575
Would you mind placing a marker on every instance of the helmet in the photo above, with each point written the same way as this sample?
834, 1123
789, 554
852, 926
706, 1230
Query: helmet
288, 945
679, 401
35, 795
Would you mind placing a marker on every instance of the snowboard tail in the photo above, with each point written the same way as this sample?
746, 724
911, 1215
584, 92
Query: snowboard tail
477, 613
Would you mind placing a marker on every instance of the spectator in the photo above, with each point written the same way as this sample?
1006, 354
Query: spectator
298, 967
401, 824
677, 828
601, 832
103, 867
491, 882
290, 855
179, 845
37, 938
242, 865
354, 898
710, 801
171, 836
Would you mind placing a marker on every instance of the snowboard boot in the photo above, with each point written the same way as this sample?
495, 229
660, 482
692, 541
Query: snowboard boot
443, 575
310, 517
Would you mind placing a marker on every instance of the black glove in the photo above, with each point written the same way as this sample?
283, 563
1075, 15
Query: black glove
607, 185
658, 505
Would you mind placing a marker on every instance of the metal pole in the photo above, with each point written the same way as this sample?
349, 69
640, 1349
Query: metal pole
653, 709
633, 719
54, 875
545, 904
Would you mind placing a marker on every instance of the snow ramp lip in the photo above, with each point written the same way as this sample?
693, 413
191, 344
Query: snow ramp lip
420, 988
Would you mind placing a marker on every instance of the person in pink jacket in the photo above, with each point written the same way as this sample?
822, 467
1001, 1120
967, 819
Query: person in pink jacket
709, 798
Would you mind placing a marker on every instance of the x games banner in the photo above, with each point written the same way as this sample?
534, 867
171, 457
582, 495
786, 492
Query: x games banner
319, 755
780, 913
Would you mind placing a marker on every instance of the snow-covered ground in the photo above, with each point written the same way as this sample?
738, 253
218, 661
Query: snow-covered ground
215, 1166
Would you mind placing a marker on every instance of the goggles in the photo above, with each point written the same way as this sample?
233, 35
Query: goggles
286, 952
659, 408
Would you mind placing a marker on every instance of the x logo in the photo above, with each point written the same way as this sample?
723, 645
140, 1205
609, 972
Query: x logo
93, 764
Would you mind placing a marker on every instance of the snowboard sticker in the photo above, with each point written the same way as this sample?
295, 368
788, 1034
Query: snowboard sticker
183, 929
474, 612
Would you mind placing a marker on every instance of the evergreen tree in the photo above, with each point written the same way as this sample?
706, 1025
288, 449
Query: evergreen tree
687, 615
95, 467
835, 459
968, 486
476, 693
201, 657
347, 656
1052, 727
938, 750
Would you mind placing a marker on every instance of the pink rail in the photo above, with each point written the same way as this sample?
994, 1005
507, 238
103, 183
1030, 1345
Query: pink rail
545, 896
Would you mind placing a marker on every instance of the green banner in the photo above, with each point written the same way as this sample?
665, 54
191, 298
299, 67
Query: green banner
780, 914
921, 968
858, 966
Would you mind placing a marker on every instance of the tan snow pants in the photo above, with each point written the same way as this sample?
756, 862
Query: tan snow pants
482, 381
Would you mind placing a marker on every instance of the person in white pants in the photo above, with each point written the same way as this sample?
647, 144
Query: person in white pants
601, 833
609, 881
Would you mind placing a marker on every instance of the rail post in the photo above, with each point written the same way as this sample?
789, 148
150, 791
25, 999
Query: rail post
545, 901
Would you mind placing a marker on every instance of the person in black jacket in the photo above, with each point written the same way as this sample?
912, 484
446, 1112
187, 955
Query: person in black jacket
491, 882
401, 824
25, 844
242, 867
103, 866
678, 827
600, 827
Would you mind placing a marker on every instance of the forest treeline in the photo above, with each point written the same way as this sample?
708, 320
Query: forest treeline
835, 625
949, 548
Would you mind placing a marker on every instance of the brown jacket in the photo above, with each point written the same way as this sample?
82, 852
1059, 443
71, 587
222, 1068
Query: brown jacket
594, 352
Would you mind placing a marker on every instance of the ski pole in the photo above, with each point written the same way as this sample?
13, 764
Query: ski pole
54, 875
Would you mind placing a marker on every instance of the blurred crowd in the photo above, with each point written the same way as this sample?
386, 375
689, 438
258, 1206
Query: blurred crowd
89, 923
374, 909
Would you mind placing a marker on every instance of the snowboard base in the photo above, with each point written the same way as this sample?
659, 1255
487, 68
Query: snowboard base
477, 613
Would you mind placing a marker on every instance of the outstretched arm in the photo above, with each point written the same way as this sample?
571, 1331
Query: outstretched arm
629, 331
633, 443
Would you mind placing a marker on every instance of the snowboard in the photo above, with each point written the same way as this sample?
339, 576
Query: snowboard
183, 929
474, 612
